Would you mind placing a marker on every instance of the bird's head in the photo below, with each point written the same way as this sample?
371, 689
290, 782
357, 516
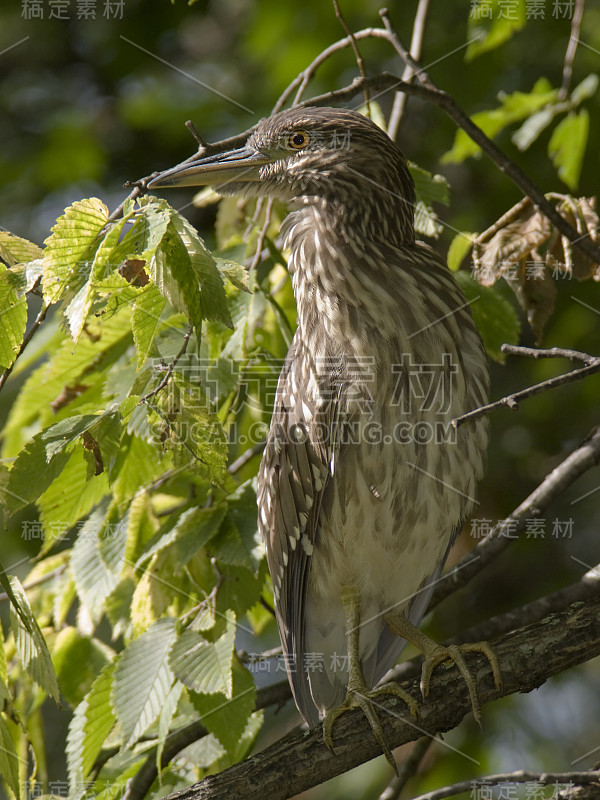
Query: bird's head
334, 154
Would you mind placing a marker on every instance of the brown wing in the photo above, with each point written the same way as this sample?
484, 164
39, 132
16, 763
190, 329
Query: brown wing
293, 477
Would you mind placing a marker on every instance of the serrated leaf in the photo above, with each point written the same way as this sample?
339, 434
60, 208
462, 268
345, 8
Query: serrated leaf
92, 721
69, 497
489, 26
96, 561
71, 246
192, 530
30, 643
235, 273
146, 321
459, 247
567, 146
143, 680
205, 667
495, 318
15, 250
9, 759
78, 308
13, 320
225, 717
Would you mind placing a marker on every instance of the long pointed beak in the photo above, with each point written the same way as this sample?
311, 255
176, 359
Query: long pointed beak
229, 167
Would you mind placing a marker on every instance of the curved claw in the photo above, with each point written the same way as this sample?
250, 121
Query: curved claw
364, 701
455, 653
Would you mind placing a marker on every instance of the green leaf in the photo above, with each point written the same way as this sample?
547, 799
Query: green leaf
514, 107
30, 643
13, 319
97, 559
9, 760
587, 88
430, 188
205, 667
193, 530
146, 321
459, 247
15, 250
143, 680
167, 713
71, 247
92, 721
69, 497
491, 24
496, 319
77, 660
227, 717
235, 273
567, 146
100, 268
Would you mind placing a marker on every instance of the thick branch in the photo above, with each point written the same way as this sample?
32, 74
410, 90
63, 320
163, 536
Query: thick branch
301, 759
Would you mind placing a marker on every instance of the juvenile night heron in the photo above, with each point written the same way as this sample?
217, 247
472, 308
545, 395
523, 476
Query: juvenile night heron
364, 484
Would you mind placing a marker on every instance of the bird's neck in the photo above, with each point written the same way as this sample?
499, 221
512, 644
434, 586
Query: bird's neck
340, 276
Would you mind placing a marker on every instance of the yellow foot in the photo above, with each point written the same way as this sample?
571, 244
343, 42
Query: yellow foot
363, 699
436, 655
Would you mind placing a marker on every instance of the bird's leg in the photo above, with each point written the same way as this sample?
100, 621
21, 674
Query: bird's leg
435, 653
358, 694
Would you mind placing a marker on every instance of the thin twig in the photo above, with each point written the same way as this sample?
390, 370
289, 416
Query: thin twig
571, 50
522, 776
170, 368
262, 236
585, 588
246, 456
27, 338
38, 581
407, 769
416, 43
512, 400
359, 59
196, 134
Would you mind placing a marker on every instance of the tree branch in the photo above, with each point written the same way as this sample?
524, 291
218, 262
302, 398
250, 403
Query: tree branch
512, 400
591, 778
586, 456
301, 760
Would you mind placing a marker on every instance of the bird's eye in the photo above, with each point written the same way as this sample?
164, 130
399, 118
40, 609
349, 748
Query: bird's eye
298, 140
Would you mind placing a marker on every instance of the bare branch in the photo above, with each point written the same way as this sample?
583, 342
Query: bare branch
28, 337
571, 50
591, 778
416, 44
359, 59
586, 456
407, 769
512, 400
170, 368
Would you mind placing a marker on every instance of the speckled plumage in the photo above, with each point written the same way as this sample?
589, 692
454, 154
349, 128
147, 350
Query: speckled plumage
351, 492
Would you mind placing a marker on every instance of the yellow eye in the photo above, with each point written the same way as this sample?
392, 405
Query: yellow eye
298, 140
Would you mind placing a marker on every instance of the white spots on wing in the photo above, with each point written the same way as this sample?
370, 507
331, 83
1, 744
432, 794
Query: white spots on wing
307, 545
318, 482
303, 518
284, 555
306, 411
